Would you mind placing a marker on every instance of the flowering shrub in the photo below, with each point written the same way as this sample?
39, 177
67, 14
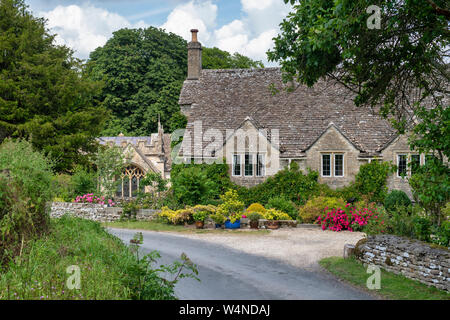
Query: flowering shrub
231, 206
352, 219
185, 215
256, 207
90, 198
176, 216
273, 214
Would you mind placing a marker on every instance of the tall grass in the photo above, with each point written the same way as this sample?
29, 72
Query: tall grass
40, 272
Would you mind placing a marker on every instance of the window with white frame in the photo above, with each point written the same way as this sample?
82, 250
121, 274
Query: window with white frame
338, 165
260, 165
326, 165
236, 165
248, 165
402, 165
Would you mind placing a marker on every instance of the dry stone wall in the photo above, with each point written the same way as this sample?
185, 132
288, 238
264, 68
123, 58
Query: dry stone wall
411, 258
95, 212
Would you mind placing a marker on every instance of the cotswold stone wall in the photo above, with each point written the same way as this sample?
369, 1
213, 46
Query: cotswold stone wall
411, 258
95, 212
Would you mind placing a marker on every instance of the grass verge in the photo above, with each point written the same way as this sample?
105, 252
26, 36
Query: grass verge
164, 227
396, 287
108, 268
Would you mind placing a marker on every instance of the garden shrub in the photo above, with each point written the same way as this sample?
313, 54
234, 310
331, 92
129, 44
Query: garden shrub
422, 228
231, 207
371, 180
396, 198
192, 186
441, 234
316, 206
348, 218
289, 183
83, 181
176, 216
274, 214
199, 183
256, 207
282, 204
401, 221
25, 187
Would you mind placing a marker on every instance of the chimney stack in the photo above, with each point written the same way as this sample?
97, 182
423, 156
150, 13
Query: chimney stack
194, 57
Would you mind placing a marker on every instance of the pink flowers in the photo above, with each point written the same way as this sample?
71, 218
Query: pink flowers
90, 198
349, 219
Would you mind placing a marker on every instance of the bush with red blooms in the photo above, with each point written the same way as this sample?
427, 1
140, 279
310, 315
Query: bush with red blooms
352, 219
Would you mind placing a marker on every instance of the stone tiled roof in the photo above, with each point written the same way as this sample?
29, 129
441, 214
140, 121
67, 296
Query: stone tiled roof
223, 99
119, 139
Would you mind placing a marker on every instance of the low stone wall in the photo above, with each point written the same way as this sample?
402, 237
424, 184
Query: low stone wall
96, 212
411, 258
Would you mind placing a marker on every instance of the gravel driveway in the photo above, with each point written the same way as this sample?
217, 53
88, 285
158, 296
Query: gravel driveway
299, 247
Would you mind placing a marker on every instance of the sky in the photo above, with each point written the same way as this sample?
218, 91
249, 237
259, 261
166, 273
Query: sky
244, 26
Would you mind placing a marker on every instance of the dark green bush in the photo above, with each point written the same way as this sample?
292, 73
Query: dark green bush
441, 234
371, 180
396, 198
282, 204
83, 182
422, 228
289, 183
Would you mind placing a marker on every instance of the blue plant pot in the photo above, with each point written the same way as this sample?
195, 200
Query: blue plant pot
235, 225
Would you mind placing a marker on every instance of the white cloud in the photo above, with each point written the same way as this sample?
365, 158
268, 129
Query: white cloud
192, 15
250, 35
84, 28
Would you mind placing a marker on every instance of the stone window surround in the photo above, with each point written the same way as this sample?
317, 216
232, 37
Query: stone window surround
332, 155
254, 164
408, 155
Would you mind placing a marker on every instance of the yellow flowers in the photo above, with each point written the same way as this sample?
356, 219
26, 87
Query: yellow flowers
184, 215
273, 214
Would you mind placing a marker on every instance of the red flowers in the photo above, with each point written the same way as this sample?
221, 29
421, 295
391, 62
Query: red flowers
347, 219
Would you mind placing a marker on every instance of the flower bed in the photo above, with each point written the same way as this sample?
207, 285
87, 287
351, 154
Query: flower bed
91, 198
352, 219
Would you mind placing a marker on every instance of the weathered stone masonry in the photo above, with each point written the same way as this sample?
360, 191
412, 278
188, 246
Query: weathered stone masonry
411, 258
95, 212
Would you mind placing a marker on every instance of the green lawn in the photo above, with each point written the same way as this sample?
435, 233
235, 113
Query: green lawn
159, 226
393, 286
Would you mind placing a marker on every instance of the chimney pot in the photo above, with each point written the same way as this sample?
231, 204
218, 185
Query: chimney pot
194, 35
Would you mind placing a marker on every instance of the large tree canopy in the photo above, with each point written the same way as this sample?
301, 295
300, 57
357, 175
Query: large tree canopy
214, 58
397, 65
43, 96
143, 71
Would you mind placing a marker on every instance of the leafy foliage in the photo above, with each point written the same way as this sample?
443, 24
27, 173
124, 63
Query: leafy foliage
25, 187
44, 95
431, 187
397, 65
109, 160
256, 207
371, 180
214, 58
290, 183
396, 198
315, 207
284, 205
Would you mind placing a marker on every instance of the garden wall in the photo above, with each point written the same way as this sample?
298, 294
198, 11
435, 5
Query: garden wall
411, 258
96, 212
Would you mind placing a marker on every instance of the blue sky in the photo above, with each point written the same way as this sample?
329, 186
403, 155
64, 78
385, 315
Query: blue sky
244, 26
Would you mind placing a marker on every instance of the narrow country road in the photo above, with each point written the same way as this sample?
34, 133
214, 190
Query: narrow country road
231, 274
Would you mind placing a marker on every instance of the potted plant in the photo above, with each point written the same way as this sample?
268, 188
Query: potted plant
219, 219
199, 218
254, 219
233, 221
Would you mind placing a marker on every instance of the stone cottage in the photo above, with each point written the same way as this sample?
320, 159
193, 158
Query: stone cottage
248, 118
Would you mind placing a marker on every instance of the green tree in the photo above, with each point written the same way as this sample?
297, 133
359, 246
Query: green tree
371, 180
191, 186
399, 66
214, 58
109, 160
43, 93
143, 71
